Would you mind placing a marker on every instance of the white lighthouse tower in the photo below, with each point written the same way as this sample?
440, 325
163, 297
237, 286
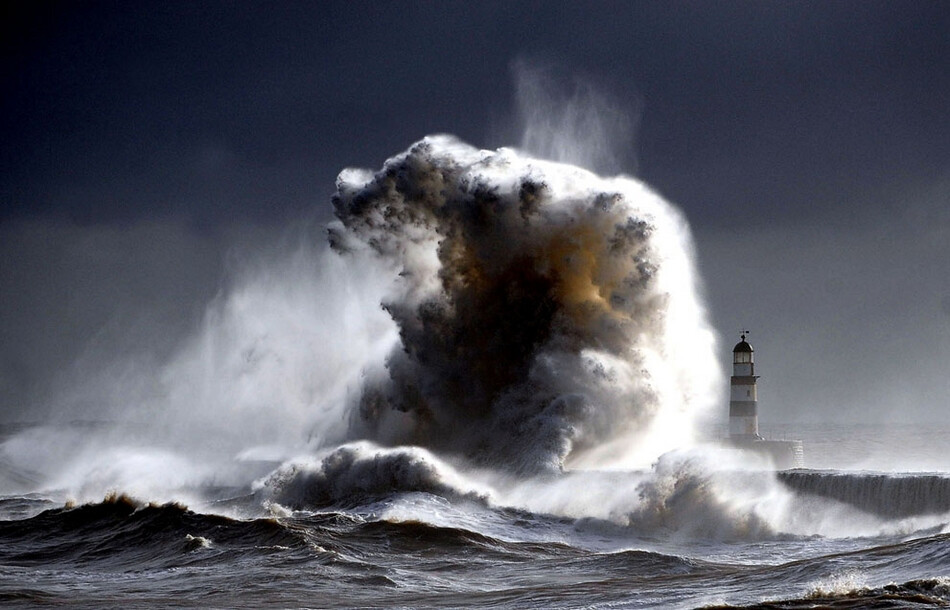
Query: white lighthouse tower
743, 405
744, 414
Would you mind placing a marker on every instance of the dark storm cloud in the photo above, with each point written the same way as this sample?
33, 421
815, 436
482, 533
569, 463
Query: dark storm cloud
740, 100
114, 97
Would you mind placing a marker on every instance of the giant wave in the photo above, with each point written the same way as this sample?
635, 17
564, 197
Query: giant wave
547, 316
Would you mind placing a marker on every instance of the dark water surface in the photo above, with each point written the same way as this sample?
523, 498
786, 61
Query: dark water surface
125, 552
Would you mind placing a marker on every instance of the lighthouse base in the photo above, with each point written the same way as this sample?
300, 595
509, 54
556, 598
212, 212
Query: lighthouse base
783, 454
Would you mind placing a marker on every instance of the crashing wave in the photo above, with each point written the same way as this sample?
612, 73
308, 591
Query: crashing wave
547, 316
360, 473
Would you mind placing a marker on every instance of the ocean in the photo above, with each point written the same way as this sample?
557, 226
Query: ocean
407, 543
494, 387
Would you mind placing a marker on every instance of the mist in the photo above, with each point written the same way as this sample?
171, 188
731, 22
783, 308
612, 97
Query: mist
571, 118
79, 298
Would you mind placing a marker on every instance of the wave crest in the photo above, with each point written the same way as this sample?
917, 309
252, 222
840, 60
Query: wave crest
360, 473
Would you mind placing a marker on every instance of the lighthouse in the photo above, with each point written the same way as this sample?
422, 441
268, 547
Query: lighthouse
744, 414
743, 405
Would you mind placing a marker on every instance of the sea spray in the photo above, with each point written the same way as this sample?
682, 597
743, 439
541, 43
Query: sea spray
262, 378
566, 118
547, 316
500, 312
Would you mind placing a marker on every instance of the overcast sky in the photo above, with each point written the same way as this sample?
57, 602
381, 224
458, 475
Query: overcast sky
808, 144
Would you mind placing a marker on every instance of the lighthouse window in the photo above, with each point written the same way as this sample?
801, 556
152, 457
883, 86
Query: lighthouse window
748, 392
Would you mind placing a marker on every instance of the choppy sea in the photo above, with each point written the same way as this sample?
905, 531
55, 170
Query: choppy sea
864, 525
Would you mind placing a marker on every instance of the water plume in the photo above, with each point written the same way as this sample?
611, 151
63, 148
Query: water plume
502, 310
565, 118
546, 315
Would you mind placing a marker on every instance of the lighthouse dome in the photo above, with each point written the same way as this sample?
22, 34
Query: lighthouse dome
742, 346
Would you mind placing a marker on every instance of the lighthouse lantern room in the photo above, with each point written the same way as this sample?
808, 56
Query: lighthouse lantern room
743, 406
